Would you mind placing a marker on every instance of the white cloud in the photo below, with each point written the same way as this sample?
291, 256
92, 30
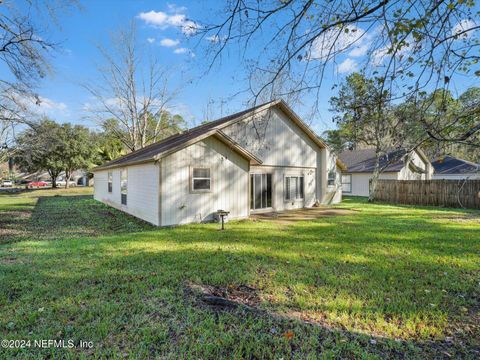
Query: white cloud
184, 51
162, 20
334, 41
215, 38
347, 66
380, 55
169, 42
360, 50
154, 18
175, 8
151, 40
181, 51
462, 26
49, 104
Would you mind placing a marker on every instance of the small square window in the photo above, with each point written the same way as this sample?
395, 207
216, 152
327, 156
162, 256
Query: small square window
201, 179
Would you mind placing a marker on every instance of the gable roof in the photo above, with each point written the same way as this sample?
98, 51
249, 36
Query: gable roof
179, 141
452, 165
363, 161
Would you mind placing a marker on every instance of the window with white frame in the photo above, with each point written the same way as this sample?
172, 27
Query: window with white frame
294, 187
123, 186
110, 182
331, 178
201, 180
347, 183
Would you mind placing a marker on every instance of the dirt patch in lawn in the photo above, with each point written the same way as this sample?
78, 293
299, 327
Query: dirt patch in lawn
307, 214
12, 225
458, 218
219, 297
242, 299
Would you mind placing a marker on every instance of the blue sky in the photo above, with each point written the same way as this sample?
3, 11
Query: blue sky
161, 30
64, 98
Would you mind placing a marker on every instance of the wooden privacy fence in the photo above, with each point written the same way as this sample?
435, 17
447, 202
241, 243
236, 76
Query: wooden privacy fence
446, 193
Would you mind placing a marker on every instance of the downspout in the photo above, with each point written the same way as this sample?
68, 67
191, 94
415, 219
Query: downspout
159, 164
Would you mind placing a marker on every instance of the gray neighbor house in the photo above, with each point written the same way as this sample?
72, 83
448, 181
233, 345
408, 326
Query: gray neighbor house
397, 164
259, 160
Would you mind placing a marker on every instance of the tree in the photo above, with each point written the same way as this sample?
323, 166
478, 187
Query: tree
337, 139
109, 146
365, 115
48, 146
24, 52
77, 150
39, 148
135, 98
441, 119
406, 46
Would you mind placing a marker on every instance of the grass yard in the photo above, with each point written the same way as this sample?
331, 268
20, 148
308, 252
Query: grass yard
383, 281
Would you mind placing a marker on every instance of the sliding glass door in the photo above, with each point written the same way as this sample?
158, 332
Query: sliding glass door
260, 191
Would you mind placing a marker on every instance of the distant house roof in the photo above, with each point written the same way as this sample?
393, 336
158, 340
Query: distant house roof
363, 161
178, 141
452, 165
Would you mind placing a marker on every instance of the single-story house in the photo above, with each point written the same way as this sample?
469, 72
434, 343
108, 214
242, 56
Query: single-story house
398, 164
452, 168
259, 160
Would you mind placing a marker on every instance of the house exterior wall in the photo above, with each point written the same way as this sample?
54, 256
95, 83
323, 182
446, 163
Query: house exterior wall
469, 176
229, 183
407, 174
279, 202
285, 149
361, 181
142, 190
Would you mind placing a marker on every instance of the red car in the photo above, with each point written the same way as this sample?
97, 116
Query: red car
37, 184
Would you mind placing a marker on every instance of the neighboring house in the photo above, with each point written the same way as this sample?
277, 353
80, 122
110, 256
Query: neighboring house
397, 164
261, 159
451, 168
80, 177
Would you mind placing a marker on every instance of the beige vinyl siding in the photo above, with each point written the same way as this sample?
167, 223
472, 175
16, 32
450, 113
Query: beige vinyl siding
278, 184
275, 139
142, 190
229, 183
285, 148
469, 176
407, 174
360, 182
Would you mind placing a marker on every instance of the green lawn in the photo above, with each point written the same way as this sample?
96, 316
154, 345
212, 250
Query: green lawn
384, 281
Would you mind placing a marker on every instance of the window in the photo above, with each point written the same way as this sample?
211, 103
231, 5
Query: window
331, 178
201, 181
123, 186
110, 181
293, 187
347, 183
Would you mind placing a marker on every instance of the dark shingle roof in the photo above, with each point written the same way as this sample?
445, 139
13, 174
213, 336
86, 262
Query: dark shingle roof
363, 161
451, 165
150, 151
176, 142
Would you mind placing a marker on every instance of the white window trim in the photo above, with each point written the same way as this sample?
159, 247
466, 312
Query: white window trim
110, 182
192, 190
126, 188
285, 187
350, 183
334, 178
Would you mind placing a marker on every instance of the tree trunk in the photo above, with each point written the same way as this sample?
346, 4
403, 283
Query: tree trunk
68, 175
374, 180
54, 182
